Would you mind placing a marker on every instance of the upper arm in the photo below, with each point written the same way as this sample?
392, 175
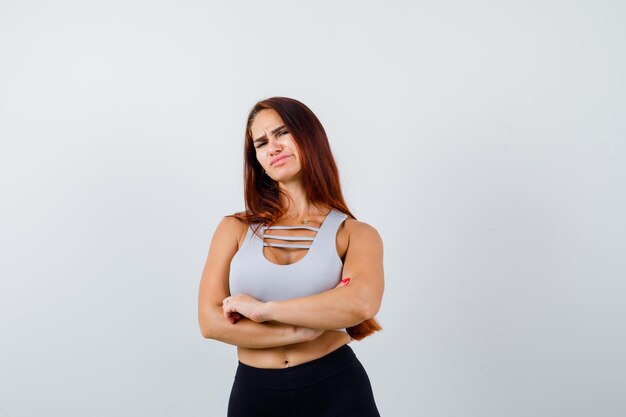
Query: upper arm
364, 264
214, 281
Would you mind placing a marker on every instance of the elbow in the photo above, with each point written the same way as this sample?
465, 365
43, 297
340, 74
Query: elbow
210, 332
208, 326
369, 304
369, 308
363, 311
206, 332
368, 311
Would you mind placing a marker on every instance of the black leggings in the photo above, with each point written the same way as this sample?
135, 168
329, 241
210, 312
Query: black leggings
335, 385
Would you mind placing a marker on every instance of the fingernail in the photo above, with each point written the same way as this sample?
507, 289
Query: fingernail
345, 280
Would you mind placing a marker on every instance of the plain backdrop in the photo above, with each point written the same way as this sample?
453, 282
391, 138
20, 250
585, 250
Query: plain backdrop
484, 140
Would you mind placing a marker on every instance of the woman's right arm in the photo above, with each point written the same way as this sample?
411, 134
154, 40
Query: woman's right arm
214, 288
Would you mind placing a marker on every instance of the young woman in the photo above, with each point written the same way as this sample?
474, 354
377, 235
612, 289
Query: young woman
293, 279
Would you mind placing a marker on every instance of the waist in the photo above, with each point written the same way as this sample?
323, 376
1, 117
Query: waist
298, 376
293, 354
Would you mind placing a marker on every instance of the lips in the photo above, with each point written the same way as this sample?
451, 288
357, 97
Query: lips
279, 158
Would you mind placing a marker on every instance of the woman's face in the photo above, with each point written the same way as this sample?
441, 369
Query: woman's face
276, 149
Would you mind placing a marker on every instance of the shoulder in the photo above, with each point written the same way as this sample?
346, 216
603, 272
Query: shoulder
231, 229
230, 221
361, 231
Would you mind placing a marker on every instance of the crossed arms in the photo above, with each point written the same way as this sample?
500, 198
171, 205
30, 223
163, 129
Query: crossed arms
285, 322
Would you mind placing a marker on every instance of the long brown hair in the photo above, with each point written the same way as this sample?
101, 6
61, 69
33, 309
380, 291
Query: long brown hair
264, 199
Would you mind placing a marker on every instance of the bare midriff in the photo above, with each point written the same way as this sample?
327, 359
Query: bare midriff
294, 354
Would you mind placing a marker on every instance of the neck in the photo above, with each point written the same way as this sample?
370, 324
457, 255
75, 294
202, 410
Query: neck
298, 205
305, 212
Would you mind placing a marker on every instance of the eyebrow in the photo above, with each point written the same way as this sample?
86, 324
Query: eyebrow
274, 131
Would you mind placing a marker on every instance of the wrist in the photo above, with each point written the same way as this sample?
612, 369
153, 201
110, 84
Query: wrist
268, 310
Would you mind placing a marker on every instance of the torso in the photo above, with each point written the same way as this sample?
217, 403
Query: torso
297, 353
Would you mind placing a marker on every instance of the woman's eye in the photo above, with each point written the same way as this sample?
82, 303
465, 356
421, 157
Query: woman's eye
282, 132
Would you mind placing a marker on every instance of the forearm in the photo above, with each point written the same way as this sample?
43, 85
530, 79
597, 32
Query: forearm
333, 309
250, 334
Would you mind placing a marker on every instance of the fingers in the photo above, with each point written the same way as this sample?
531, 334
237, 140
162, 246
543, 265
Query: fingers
343, 282
226, 307
234, 317
228, 312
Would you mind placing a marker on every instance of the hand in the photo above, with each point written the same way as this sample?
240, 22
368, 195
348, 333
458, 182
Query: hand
343, 282
239, 305
234, 307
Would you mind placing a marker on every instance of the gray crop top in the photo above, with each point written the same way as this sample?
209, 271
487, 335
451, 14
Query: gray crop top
319, 270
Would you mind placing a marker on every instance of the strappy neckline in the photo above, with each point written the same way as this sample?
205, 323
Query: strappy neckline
310, 247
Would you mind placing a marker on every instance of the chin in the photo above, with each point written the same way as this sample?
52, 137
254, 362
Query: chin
287, 176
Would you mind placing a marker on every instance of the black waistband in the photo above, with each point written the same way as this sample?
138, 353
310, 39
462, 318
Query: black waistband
297, 376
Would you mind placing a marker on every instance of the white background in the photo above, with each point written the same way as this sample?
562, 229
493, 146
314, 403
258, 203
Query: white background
484, 141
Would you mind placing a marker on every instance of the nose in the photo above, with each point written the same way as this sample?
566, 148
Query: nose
273, 144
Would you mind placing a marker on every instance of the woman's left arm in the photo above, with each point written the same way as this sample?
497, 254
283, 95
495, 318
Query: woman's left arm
344, 306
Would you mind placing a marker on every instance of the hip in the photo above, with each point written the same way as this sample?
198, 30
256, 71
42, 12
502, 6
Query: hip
333, 385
